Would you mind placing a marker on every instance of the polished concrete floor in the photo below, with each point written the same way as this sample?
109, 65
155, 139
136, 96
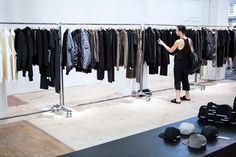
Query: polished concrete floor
106, 121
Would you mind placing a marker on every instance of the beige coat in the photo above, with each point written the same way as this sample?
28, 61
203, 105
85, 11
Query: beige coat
8, 57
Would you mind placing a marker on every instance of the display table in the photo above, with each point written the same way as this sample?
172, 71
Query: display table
148, 144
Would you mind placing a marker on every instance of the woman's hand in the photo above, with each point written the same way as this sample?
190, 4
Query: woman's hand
160, 42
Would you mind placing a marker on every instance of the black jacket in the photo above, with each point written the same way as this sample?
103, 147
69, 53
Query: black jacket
30, 51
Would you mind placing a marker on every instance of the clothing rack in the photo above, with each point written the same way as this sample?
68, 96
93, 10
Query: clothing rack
61, 105
202, 87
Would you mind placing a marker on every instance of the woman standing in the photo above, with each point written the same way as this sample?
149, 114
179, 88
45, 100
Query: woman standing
181, 47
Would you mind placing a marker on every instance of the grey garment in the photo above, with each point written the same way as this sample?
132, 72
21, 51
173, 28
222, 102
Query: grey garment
70, 53
118, 57
139, 56
214, 55
96, 46
86, 51
235, 43
76, 50
234, 62
124, 46
211, 45
91, 39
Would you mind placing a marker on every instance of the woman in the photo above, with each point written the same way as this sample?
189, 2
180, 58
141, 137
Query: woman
181, 47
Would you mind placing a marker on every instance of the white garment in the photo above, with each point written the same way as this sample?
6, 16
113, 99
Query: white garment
13, 56
6, 55
1, 70
212, 73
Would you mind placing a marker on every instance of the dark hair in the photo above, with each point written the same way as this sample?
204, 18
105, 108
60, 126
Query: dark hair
182, 28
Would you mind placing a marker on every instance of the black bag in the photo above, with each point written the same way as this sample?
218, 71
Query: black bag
234, 105
194, 62
223, 114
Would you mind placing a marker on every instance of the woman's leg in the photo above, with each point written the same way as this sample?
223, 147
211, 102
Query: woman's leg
177, 77
187, 94
186, 86
177, 95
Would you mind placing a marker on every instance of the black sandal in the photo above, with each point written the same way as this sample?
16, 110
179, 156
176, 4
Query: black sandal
184, 98
176, 102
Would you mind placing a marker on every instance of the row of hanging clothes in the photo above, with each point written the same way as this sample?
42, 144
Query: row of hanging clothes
103, 50
108, 49
155, 55
214, 47
38, 47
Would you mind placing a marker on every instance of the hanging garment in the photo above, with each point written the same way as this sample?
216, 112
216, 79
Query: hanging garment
209, 45
234, 54
133, 41
6, 55
64, 49
118, 52
214, 55
124, 47
150, 55
221, 48
139, 57
13, 56
212, 73
164, 55
38, 48
50, 70
108, 51
76, 36
91, 39
86, 52
150, 46
101, 64
30, 51
21, 51
96, 46
232, 49
70, 53
1, 61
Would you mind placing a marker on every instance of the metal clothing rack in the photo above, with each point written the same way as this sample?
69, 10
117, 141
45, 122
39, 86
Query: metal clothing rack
195, 84
61, 105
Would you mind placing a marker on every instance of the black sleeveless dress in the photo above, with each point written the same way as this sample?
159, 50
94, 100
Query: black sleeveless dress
181, 66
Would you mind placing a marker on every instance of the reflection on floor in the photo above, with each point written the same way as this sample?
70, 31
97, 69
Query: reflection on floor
14, 101
22, 139
102, 122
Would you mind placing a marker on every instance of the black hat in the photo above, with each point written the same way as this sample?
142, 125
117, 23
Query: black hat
210, 132
171, 134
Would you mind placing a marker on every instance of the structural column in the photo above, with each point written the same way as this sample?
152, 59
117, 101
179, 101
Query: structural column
3, 100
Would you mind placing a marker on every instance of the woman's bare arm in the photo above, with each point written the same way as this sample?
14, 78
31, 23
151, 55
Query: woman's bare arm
172, 49
191, 44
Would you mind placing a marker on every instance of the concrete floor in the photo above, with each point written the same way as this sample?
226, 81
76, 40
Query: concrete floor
102, 122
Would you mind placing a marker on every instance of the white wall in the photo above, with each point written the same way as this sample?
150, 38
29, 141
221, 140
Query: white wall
108, 11
126, 11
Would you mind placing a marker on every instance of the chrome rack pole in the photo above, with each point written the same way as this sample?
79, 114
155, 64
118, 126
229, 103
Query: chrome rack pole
140, 92
202, 87
61, 106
